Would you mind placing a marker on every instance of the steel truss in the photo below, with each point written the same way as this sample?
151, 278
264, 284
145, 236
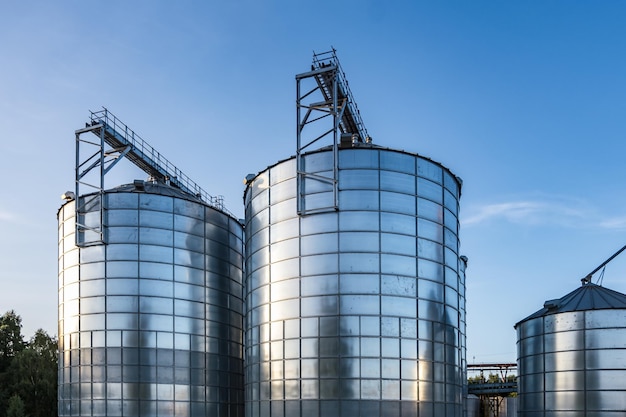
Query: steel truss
326, 112
492, 394
94, 160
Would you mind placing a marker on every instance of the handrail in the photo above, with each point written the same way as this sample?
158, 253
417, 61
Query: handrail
323, 59
153, 158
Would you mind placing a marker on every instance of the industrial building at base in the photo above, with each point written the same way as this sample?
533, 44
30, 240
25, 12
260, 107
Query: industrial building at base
341, 292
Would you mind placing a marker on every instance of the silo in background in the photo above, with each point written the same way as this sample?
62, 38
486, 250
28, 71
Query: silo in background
572, 356
150, 323
358, 311
473, 406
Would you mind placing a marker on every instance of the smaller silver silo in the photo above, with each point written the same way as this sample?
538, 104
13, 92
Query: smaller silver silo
473, 406
572, 356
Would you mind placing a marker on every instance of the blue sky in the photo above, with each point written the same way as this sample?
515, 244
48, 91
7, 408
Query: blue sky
524, 100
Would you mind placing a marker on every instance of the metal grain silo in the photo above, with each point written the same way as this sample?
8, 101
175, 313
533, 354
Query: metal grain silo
572, 356
357, 309
150, 319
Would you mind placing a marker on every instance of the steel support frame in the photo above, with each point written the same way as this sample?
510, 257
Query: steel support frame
93, 162
317, 112
493, 403
490, 398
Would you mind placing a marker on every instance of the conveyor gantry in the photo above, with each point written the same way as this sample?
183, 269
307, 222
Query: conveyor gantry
350, 120
326, 109
94, 163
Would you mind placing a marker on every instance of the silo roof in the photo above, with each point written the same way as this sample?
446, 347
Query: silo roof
154, 187
587, 297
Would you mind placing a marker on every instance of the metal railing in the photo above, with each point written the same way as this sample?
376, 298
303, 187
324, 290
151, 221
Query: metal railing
324, 59
149, 159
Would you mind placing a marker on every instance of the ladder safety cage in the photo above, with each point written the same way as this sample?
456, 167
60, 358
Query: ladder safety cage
326, 112
94, 161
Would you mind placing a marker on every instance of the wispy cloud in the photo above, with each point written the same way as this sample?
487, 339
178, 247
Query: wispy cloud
536, 211
6, 216
616, 223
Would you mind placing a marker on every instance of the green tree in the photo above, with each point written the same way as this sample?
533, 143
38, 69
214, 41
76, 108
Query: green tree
11, 340
491, 379
16, 407
28, 371
11, 343
34, 372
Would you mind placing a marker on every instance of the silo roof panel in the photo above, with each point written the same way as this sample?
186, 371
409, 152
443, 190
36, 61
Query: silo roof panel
587, 297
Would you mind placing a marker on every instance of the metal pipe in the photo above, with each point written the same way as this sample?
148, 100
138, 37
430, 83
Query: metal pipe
587, 279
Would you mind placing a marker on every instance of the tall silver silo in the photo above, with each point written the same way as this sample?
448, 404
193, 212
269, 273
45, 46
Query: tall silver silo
150, 323
572, 356
358, 311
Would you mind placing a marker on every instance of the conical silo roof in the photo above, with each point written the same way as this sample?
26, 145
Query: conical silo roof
587, 297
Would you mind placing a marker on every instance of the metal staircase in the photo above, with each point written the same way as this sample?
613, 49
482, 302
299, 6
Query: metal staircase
94, 161
350, 120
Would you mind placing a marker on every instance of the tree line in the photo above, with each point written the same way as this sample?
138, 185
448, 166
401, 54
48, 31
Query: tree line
28, 371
